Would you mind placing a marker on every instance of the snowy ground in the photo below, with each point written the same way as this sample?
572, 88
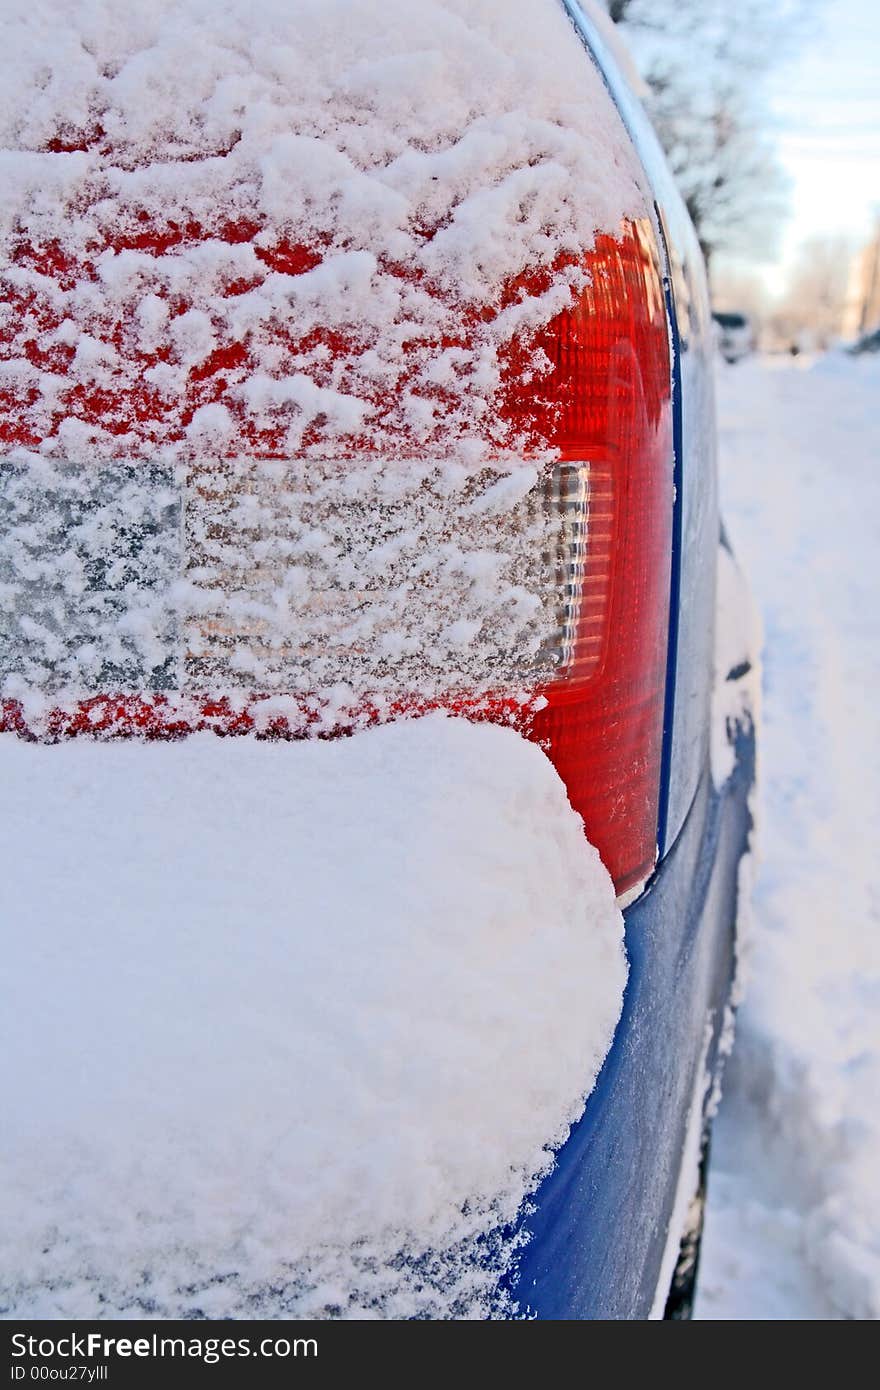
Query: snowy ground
793, 1229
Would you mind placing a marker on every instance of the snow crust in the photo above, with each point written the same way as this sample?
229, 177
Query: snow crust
338, 586
336, 189
335, 240
290, 1029
792, 1225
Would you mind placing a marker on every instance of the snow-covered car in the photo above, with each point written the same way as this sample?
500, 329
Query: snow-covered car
735, 334
358, 572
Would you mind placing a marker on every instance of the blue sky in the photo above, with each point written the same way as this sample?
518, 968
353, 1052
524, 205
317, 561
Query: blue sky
825, 105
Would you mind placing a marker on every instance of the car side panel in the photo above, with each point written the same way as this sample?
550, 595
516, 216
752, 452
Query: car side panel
693, 597
597, 1233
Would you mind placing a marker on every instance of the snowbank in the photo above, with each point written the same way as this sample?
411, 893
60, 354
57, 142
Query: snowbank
792, 1227
289, 1029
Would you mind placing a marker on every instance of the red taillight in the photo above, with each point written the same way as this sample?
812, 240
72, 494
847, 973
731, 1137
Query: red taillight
604, 413
603, 723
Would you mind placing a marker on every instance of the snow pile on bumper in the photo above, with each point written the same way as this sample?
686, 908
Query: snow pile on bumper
290, 1029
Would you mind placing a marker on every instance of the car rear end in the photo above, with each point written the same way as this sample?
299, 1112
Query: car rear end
736, 338
331, 402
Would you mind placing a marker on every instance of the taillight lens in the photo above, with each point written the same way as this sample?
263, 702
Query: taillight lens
254, 592
603, 722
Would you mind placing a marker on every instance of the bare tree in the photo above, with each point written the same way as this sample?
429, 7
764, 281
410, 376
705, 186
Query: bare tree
812, 308
703, 62
737, 290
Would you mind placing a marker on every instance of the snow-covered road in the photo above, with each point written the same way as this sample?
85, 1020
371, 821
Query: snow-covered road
793, 1224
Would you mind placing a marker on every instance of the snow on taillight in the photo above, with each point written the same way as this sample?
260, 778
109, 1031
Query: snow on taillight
366, 582
243, 589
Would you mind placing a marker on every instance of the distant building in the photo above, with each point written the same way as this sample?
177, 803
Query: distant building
862, 312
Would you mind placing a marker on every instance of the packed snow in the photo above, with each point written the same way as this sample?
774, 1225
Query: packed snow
290, 1029
792, 1228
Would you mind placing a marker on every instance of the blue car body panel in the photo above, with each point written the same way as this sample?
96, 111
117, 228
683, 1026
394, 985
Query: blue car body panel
597, 1231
